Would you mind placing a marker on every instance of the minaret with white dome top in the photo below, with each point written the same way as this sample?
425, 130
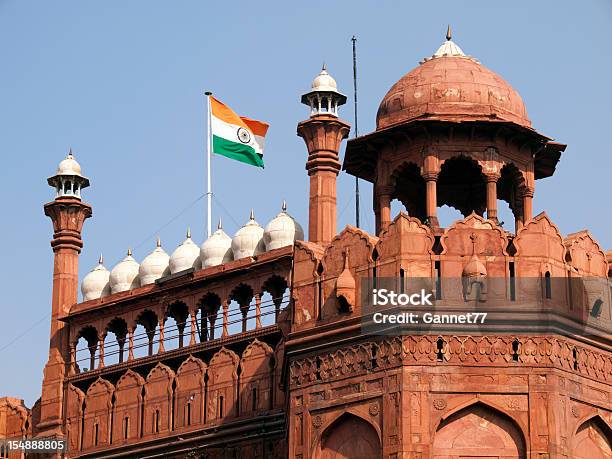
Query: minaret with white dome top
68, 213
323, 132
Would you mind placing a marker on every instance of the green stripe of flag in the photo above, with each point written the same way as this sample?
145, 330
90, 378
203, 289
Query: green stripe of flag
238, 151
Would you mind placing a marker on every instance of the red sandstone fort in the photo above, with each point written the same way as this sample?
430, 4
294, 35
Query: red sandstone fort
252, 346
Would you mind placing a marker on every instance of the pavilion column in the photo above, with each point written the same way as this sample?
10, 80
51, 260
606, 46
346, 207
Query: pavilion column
383, 208
101, 360
492, 196
130, 345
72, 368
121, 343
192, 337
527, 193
92, 355
161, 348
431, 198
225, 332
257, 310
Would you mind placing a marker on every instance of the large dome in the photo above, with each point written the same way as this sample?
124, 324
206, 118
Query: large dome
451, 86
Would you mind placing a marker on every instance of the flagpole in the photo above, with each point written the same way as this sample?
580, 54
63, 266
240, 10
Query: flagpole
209, 184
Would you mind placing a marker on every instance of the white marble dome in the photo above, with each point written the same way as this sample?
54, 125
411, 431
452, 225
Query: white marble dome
124, 276
96, 283
217, 249
324, 81
186, 255
154, 266
283, 230
248, 240
69, 166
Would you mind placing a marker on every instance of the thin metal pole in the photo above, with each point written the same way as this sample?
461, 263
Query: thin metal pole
208, 174
354, 40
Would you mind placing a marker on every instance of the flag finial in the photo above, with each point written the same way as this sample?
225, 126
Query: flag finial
449, 34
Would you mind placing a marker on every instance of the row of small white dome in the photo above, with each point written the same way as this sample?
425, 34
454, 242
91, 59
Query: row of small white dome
251, 239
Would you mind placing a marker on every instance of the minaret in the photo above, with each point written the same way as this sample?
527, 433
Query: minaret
323, 133
67, 213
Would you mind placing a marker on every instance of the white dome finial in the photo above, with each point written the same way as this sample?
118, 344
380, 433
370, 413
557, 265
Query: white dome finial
219, 225
283, 230
252, 215
186, 255
101, 260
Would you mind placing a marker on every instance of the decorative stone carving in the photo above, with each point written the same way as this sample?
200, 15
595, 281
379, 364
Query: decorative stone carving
439, 404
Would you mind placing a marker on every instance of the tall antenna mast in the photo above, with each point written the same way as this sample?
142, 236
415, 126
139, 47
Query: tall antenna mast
354, 40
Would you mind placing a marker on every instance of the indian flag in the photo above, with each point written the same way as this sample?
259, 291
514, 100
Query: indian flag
236, 137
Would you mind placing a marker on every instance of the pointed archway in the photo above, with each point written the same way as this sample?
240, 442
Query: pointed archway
592, 440
479, 431
349, 437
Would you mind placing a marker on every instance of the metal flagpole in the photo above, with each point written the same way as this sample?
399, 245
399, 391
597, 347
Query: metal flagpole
354, 40
208, 175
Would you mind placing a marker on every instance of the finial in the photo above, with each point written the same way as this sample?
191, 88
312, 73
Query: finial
70, 151
129, 253
284, 206
188, 232
252, 216
219, 225
101, 260
473, 238
324, 69
448, 33
346, 258
158, 242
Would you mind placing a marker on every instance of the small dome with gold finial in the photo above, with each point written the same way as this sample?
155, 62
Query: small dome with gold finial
96, 283
283, 230
154, 266
186, 256
124, 276
248, 240
217, 249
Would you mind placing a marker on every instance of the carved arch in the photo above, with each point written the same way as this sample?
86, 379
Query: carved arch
364, 440
189, 393
592, 438
453, 420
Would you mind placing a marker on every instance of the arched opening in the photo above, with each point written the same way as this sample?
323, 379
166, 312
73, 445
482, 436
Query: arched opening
349, 437
409, 189
461, 184
114, 343
592, 440
145, 333
243, 296
478, 431
509, 184
278, 288
208, 313
86, 355
175, 326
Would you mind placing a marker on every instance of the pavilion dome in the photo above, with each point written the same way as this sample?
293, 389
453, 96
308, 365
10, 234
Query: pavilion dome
283, 230
69, 166
324, 81
154, 266
124, 276
96, 283
217, 249
450, 86
186, 256
248, 240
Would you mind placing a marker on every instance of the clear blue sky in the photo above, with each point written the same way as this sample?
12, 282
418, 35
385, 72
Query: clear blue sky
121, 82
